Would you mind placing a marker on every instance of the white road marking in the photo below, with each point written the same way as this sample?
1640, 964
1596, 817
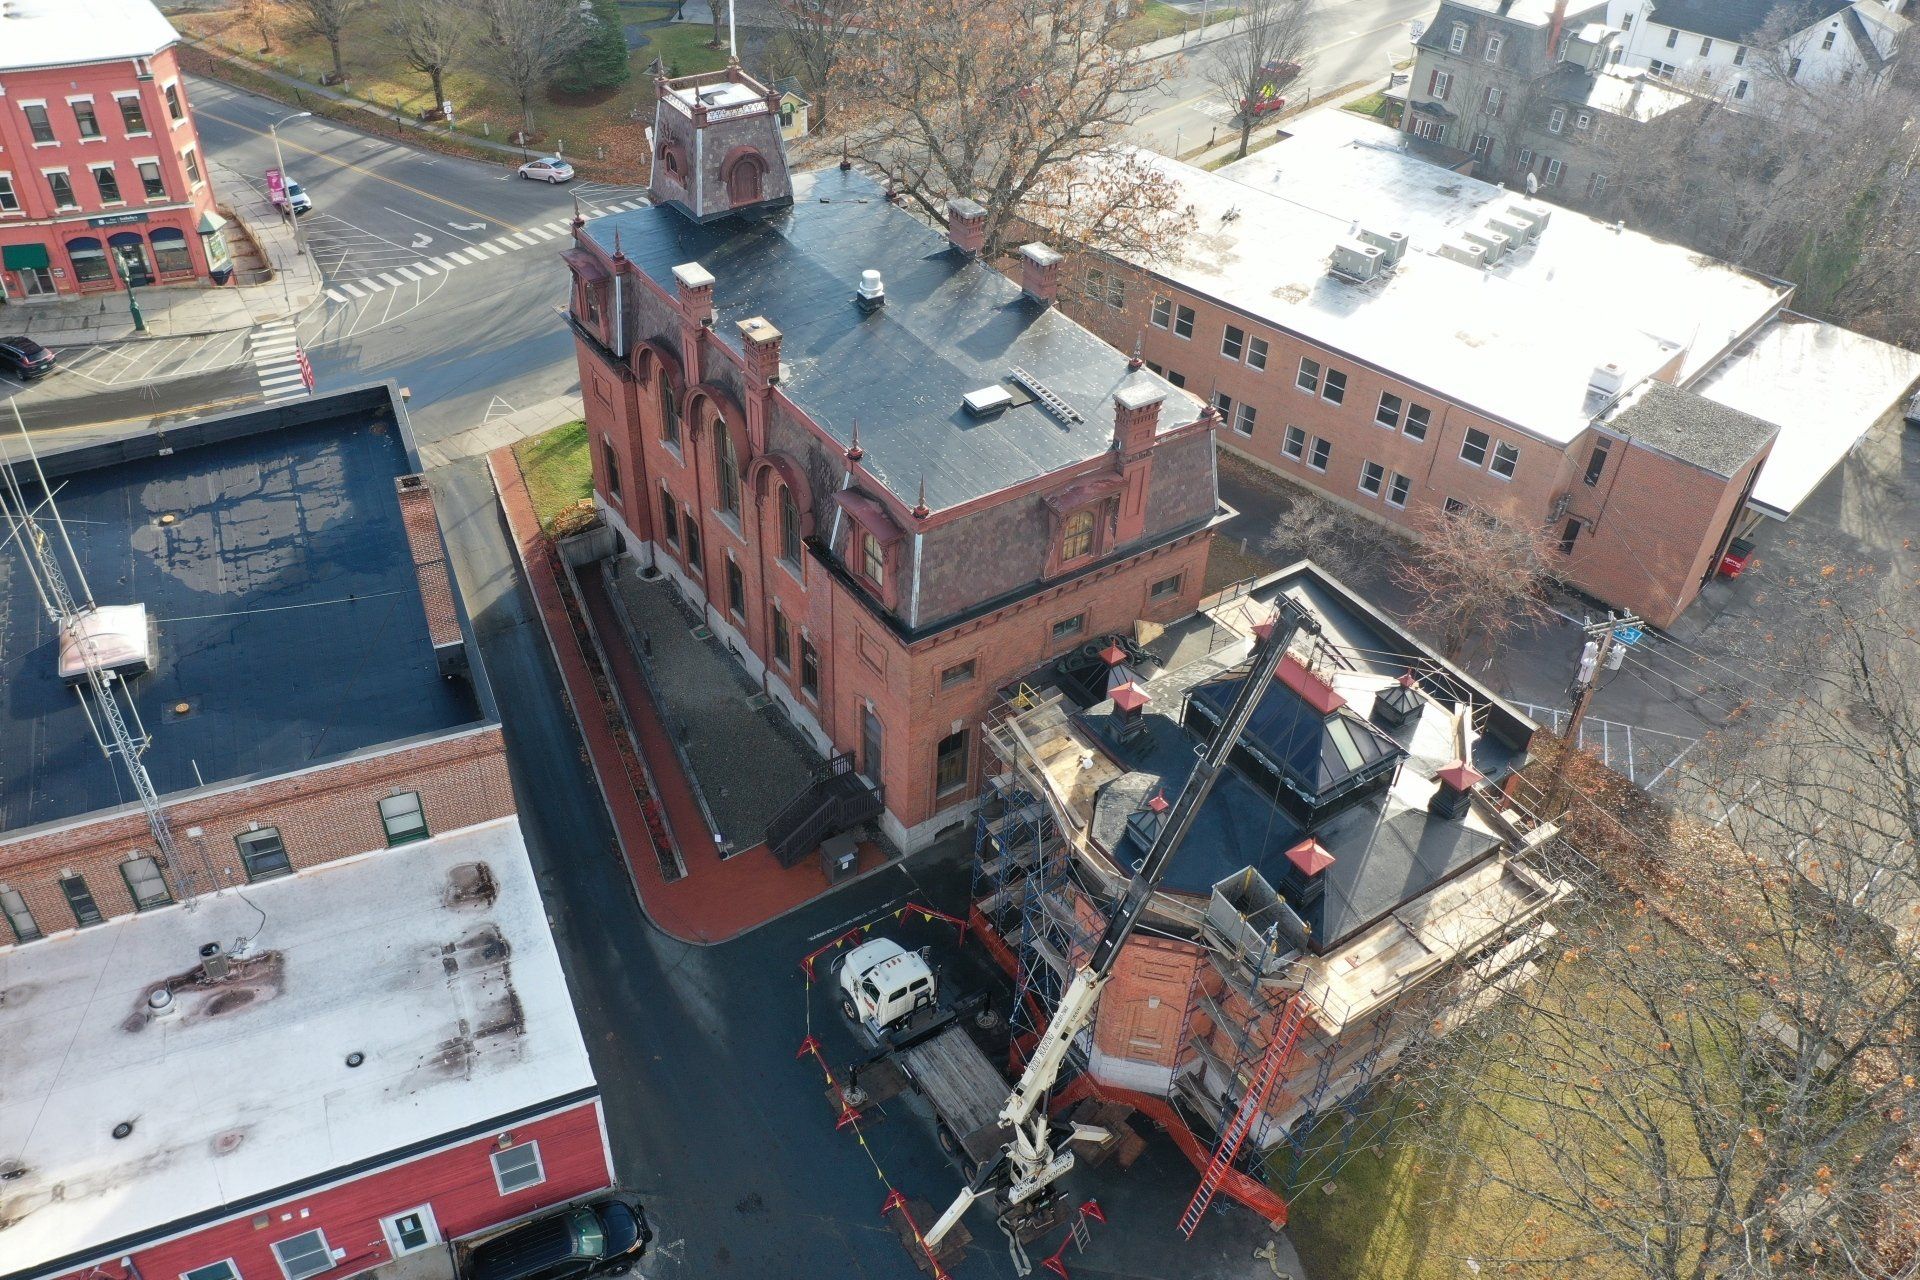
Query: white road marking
408, 274
543, 233
336, 295
390, 280
524, 238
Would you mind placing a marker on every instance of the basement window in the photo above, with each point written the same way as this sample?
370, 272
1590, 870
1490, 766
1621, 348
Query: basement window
516, 1169
262, 853
222, 1270
13, 904
145, 883
85, 910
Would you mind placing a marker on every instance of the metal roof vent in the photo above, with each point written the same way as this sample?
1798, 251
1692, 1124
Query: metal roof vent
987, 401
872, 294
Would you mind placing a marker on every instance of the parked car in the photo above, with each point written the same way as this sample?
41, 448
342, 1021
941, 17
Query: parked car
547, 169
600, 1238
25, 358
295, 197
1266, 99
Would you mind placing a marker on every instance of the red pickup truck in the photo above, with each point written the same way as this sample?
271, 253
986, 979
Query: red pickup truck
1266, 99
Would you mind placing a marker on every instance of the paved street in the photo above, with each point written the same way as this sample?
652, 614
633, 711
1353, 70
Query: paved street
1353, 41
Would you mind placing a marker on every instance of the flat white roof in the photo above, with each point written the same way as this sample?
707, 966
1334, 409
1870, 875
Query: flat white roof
444, 978
57, 33
728, 94
1823, 386
1518, 341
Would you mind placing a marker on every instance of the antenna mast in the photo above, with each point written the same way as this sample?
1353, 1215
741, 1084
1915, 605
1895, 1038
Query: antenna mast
102, 686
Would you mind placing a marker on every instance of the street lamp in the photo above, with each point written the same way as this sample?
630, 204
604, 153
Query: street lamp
281, 164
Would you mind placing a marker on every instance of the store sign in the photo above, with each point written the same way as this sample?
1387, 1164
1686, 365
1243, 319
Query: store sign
276, 186
117, 220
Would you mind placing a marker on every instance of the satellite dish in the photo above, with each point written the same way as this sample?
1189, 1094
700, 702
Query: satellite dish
1533, 184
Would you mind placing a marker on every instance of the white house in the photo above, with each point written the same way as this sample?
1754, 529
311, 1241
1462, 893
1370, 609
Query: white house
1716, 45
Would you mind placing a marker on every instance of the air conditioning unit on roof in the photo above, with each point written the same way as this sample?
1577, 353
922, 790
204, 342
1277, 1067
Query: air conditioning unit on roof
1356, 260
1494, 242
1392, 243
1466, 252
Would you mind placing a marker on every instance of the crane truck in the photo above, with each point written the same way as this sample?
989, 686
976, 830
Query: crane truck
1015, 1152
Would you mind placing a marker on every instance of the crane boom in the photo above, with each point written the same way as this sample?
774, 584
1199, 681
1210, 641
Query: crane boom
1029, 1150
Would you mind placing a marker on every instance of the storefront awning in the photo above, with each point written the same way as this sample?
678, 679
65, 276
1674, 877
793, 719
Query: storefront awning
25, 257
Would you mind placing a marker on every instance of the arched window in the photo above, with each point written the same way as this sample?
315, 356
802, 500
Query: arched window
743, 180
170, 255
789, 527
1077, 540
669, 413
729, 468
89, 259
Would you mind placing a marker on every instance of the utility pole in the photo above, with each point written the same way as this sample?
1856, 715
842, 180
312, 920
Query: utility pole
1603, 651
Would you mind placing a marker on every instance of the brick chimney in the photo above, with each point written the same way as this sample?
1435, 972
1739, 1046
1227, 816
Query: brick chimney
695, 284
1136, 414
966, 226
1553, 33
762, 343
1039, 273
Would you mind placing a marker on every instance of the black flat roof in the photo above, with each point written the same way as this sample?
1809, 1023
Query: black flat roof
284, 596
949, 326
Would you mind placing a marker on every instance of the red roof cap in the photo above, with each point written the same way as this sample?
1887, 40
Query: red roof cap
1407, 681
1317, 693
1130, 697
1158, 802
1113, 655
1460, 775
1310, 856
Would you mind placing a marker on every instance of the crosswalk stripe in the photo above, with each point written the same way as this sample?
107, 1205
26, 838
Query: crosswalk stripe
457, 258
336, 295
271, 385
543, 233
408, 274
282, 350
524, 238
424, 269
390, 280
439, 262
371, 285
560, 227
276, 328
353, 291
497, 251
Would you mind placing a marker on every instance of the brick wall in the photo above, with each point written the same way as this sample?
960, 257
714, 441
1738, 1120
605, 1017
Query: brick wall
323, 814
456, 1183
1145, 1001
429, 559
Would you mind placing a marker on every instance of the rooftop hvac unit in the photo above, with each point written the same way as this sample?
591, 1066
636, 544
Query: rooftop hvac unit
1494, 242
1534, 218
987, 401
1356, 259
1513, 228
1607, 380
1465, 251
1392, 243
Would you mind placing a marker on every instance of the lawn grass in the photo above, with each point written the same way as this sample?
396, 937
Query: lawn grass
586, 124
1156, 21
558, 469
1374, 104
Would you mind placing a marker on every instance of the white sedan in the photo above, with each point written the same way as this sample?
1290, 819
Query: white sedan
547, 169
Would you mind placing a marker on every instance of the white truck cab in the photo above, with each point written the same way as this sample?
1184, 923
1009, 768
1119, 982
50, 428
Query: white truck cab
882, 983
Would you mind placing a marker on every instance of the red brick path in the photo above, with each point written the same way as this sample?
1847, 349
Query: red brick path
716, 900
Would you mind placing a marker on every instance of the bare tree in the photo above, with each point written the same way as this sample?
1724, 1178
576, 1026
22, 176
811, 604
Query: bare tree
1476, 578
531, 40
821, 34
1270, 49
719, 11
1016, 105
260, 15
1346, 545
1713, 1073
432, 35
328, 19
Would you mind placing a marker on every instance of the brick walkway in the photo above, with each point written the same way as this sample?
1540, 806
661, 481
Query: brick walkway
716, 900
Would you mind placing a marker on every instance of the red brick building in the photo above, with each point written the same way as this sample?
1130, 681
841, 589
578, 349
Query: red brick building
1406, 339
892, 480
103, 181
305, 1017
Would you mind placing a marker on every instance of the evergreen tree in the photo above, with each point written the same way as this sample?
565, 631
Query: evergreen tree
601, 60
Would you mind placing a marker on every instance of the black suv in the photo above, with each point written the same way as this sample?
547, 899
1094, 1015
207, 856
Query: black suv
599, 1238
25, 357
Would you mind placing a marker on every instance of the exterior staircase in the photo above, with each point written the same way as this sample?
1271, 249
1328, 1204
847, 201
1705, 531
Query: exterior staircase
837, 798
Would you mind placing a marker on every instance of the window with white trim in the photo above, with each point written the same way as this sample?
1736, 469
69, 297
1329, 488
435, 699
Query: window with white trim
1321, 455
1552, 175
1473, 447
1243, 419
1373, 478
1582, 120
1506, 458
1482, 145
518, 1167
84, 119
1162, 314
1526, 157
262, 853
61, 187
1494, 45
132, 114
1308, 379
176, 111
1661, 70
192, 161
1740, 56
1706, 44
411, 1231
1256, 353
38, 122
1419, 416
1165, 589
1556, 119
1740, 89
1295, 445
304, 1255
1233, 343
107, 180
403, 818
1440, 84
1387, 414
151, 181
1183, 322
1223, 405
1333, 388
9, 200
1673, 37
222, 1270
1457, 39
1397, 490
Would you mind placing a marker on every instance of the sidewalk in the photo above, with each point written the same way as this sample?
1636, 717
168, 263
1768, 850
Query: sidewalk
509, 428
716, 899
192, 311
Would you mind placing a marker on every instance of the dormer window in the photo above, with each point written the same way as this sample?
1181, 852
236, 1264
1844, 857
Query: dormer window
873, 559
1076, 539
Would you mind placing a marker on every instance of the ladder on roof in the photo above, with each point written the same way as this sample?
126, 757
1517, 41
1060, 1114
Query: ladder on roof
1046, 395
1253, 1104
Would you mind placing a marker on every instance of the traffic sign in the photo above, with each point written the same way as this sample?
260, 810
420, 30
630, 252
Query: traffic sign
1628, 635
